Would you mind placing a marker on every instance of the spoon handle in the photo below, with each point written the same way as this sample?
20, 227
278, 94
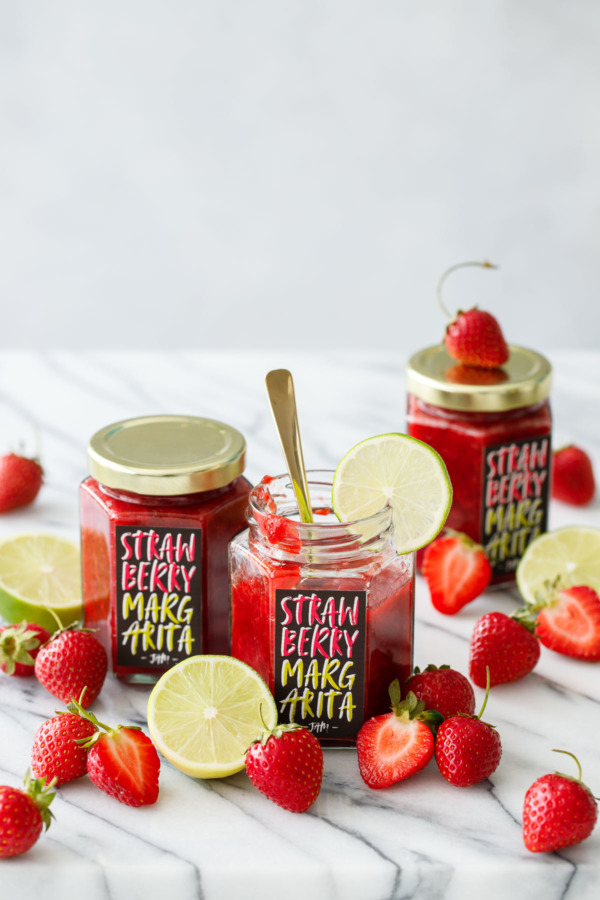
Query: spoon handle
280, 388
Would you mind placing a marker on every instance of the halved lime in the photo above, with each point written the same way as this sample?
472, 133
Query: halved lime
401, 471
204, 713
573, 553
39, 573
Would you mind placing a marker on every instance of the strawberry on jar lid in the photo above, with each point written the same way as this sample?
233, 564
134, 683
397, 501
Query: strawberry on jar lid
434, 377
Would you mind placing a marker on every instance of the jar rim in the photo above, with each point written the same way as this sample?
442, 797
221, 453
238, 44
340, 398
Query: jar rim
283, 487
433, 376
166, 455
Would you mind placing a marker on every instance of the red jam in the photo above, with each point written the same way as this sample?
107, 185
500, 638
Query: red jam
323, 612
498, 454
154, 565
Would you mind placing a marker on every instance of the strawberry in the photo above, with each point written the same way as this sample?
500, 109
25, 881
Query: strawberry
572, 476
505, 646
398, 744
568, 621
456, 570
23, 814
121, 761
19, 646
286, 765
72, 660
20, 481
474, 337
558, 811
56, 752
443, 689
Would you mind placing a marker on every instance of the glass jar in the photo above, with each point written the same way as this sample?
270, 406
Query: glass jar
165, 496
323, 611
492, 427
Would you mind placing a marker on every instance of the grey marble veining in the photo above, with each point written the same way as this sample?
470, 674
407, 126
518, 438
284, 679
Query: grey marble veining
423, 838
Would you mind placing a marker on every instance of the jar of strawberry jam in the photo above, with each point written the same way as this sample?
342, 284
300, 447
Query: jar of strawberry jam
165, 496
323, 611
492, 428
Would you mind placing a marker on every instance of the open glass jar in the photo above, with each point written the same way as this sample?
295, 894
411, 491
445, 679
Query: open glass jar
492, 428
163, 500
323, 611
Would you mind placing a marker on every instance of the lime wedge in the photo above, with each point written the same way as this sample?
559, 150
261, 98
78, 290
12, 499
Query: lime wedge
204, 713
39, 573
403, 472
573, 553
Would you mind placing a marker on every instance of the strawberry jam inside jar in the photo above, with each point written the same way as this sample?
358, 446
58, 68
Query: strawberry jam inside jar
165, 496
492, 428
323, 611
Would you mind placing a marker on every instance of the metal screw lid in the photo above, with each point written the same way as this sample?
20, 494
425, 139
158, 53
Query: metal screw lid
166, 455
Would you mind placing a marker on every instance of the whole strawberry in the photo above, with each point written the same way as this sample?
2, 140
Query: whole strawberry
19, 646
456, 570
20, 481
467, 750
558, 811
573, 476
443, 689
398, 744
23, 815
121, 761
72, 660
474, 337
568, 621
504, 646
286, 765
56, 753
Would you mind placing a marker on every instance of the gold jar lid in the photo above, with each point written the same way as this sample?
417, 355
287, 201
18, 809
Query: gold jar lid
433, 376
166, 455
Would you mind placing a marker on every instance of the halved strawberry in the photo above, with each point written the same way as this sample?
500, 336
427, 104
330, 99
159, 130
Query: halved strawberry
569, 622
398, 744
121, 761
456, 570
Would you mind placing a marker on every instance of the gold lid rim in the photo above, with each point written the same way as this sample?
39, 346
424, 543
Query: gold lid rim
206, 467
528, 379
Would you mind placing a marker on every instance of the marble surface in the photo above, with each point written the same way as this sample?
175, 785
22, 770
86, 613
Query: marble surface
218, 839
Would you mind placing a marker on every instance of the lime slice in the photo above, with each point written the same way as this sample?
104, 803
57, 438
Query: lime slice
40, 573
573, 553
401, 471
204, 713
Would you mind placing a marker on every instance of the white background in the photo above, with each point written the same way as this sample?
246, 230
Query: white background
278, 173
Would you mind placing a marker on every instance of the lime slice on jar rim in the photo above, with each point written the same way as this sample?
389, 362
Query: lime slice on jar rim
204, 713
40, 574
402, 472
571, 554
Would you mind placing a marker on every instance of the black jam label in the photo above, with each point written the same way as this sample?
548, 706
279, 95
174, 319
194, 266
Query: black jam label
158, 595
515, 499
320, 660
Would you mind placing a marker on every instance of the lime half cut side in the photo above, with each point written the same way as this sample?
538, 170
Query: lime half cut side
571, 554
401, 471
40, 573
204, 713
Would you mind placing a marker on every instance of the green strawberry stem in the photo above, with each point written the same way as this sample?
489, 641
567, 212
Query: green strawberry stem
77, 709
410, 708
41, 794
487, 692
485, 264
572, 755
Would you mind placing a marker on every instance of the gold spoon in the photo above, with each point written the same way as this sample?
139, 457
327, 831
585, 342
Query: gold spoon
280, 388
